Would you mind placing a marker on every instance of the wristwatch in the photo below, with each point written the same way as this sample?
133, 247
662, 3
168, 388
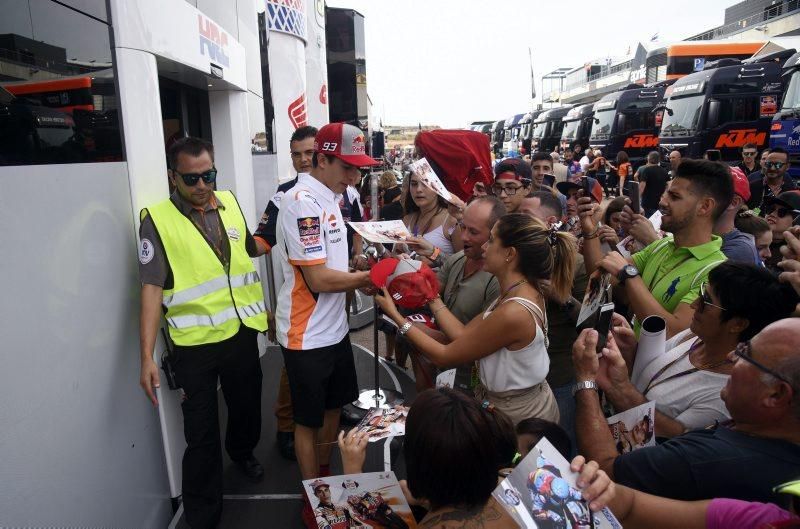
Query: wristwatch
584, 384
627, 272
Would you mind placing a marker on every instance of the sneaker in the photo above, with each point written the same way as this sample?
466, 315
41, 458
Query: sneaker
251, 468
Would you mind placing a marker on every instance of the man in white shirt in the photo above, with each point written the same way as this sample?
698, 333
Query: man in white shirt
311, 319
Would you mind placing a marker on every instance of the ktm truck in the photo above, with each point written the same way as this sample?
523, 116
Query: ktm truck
726, 105
785, 130
547, 129
577, 127
624, 121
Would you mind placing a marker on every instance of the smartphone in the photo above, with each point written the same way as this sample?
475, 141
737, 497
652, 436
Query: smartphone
634, 197
587, 189
549, 180
603, 325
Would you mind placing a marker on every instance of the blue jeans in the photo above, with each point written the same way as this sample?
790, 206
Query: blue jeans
566, 407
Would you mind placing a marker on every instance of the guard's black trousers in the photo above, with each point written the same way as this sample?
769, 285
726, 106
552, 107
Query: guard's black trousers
236, 364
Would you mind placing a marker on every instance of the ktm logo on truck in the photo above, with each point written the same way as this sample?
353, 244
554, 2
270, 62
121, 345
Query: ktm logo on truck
740, 137
641, 141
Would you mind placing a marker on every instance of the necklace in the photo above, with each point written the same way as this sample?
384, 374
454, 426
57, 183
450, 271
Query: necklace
427, 225
512, 287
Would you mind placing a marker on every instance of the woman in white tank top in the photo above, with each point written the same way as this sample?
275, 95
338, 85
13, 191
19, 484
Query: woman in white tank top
510, 339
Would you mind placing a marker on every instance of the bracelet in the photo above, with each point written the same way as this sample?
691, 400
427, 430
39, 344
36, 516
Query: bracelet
404, 329
595, 234
437, 310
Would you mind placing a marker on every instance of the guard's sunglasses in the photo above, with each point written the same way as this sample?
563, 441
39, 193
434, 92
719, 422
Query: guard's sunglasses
774, 165
191, 179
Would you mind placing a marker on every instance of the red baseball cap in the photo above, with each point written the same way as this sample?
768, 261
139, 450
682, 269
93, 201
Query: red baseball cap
410, 283
344, 141
741, 185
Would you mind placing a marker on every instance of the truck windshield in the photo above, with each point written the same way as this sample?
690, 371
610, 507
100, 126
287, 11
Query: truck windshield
604, 120
792, 97
507, 135
538, 129
685, 116
570, 129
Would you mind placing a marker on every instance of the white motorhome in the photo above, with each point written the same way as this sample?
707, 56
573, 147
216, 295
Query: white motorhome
92, 93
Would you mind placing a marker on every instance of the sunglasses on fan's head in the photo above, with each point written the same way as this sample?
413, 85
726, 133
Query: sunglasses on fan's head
191, 179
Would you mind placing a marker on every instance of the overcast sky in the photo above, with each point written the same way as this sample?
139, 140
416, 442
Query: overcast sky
451, 62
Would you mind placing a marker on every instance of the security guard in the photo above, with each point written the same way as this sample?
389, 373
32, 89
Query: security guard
194, 256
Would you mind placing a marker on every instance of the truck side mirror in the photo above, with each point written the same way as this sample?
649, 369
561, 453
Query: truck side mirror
714, 107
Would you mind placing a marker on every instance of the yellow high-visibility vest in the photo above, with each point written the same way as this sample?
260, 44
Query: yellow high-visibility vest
206, 303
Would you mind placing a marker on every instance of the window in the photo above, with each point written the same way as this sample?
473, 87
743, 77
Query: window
739, 109
58, 101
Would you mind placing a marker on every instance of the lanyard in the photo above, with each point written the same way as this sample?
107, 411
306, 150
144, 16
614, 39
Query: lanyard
653, 383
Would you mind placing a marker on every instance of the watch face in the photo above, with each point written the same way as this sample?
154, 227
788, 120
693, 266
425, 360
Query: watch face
631, 271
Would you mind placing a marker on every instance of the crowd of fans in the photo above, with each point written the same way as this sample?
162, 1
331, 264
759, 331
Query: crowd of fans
712, 250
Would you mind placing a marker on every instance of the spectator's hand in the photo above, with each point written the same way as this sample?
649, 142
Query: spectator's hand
272, 334
790, 263
613, 371
584, 355
359, 262
353, 447
613, 263
421, 245
412, 501
624, 337
586, 211
149, 380
642, 229
384, 300
596, 487
791, 250
608, 236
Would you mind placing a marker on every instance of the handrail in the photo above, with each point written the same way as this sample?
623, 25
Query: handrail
770, 14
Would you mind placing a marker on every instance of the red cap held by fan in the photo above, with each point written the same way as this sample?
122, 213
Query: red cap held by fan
410, 283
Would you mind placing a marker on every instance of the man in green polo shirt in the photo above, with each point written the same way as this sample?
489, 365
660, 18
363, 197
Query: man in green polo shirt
664, 278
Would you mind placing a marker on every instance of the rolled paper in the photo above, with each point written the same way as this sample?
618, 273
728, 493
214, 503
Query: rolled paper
652, 339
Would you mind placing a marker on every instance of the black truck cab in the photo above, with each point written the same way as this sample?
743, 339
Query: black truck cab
547, 128
726, 105
624, 121
577, 126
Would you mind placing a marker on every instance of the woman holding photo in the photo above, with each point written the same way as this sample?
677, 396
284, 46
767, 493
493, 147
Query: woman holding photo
510, 339
738, 301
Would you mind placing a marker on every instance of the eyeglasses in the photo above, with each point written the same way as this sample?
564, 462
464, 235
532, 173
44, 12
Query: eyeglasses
191, 179
705, 298
774, 165
748, 154
745, 351
510, 190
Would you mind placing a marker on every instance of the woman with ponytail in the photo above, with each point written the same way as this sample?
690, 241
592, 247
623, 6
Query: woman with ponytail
509, 340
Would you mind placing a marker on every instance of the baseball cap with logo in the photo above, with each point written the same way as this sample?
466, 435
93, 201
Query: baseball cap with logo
345, 142
741, 185
410, 283
317, 484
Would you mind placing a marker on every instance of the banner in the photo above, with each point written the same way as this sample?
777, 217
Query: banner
316, 65
286, 21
